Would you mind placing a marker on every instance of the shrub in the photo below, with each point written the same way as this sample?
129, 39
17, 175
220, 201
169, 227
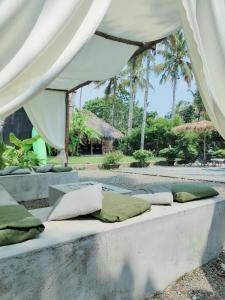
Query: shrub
112, 158
2, 150
188, 154
142, 156
219, 153
170, 154
21, 155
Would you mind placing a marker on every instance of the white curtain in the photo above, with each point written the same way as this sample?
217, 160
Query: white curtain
47, 114
52, 43
204, 27
38, 40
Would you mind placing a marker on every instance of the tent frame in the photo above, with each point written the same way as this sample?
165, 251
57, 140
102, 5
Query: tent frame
142, 46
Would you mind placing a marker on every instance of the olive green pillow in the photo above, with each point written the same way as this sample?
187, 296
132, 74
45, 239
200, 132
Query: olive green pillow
117, 207
184, 192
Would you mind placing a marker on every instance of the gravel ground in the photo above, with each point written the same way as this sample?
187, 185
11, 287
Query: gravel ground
201, 284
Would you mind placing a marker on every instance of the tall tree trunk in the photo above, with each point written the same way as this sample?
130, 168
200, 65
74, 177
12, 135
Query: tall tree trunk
132, 98
80, 100
146, 103
174, 98
113, 110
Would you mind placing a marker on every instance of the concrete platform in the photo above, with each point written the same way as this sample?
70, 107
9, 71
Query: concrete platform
34, 186
87, 259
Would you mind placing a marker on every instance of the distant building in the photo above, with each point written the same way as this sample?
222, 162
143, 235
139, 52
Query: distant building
19, 124
110, 135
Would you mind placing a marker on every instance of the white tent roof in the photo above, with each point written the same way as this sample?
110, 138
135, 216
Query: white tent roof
101, 58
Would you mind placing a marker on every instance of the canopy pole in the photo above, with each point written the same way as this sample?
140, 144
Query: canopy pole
67, 139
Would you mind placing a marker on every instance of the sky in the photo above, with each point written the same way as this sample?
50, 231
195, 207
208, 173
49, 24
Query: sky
160, 98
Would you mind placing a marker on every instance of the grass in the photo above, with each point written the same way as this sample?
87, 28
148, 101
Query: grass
94, 159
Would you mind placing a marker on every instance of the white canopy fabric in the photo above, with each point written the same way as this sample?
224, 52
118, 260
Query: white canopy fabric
51, 43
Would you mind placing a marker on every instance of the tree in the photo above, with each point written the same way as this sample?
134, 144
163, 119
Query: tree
100, 107
149, 58
136, 81
79, 131
199, 106
113, 86
176, 63
186, 110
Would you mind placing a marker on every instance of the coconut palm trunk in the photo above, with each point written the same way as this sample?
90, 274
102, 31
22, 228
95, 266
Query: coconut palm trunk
146, 103
174, 98
132, 97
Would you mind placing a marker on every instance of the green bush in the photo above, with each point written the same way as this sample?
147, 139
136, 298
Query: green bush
21, 155
112, 158
218, 154
2, 150
170, 154
143, 157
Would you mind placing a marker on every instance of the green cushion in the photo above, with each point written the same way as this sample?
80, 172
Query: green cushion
183, 192
57, 169
117, 207
17, 224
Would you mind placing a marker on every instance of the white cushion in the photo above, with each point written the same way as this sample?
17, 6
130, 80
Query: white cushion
161, 198
77, 203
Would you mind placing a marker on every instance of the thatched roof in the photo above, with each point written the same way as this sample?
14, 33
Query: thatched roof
201, 126
106, 130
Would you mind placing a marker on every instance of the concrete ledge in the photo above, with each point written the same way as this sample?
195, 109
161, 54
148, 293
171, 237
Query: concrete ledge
87, 259
34, 186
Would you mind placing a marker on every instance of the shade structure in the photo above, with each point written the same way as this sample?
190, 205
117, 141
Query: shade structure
201, 126
105, 129
60, 44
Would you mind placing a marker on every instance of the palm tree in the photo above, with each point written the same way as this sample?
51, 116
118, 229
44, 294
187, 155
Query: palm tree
149, 57
136, 81
113, 86
176, 63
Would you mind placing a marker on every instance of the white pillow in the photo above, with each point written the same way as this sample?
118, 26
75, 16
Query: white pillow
77, 203
161, 198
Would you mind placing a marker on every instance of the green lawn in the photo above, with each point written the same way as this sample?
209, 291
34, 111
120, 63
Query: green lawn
93, 159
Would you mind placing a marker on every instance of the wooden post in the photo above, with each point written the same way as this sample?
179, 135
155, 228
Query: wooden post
67, 128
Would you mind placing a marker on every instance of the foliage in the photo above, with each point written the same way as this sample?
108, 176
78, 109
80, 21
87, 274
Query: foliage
79, 131
112, 157
170, 154
218, 153
2, 150
175, 64
102, 108
187, 145
158, 135
21, 154
142, 156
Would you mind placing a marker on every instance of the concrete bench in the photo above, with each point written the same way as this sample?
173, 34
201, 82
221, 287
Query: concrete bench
34, 186
87, 259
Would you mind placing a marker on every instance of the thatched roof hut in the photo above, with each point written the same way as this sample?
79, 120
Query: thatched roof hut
109, 135
106, 130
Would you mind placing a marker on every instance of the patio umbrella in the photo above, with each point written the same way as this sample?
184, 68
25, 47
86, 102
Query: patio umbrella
201, 126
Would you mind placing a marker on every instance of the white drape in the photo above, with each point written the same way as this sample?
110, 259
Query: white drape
47, 114
52, 43
204, 28
40, 38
